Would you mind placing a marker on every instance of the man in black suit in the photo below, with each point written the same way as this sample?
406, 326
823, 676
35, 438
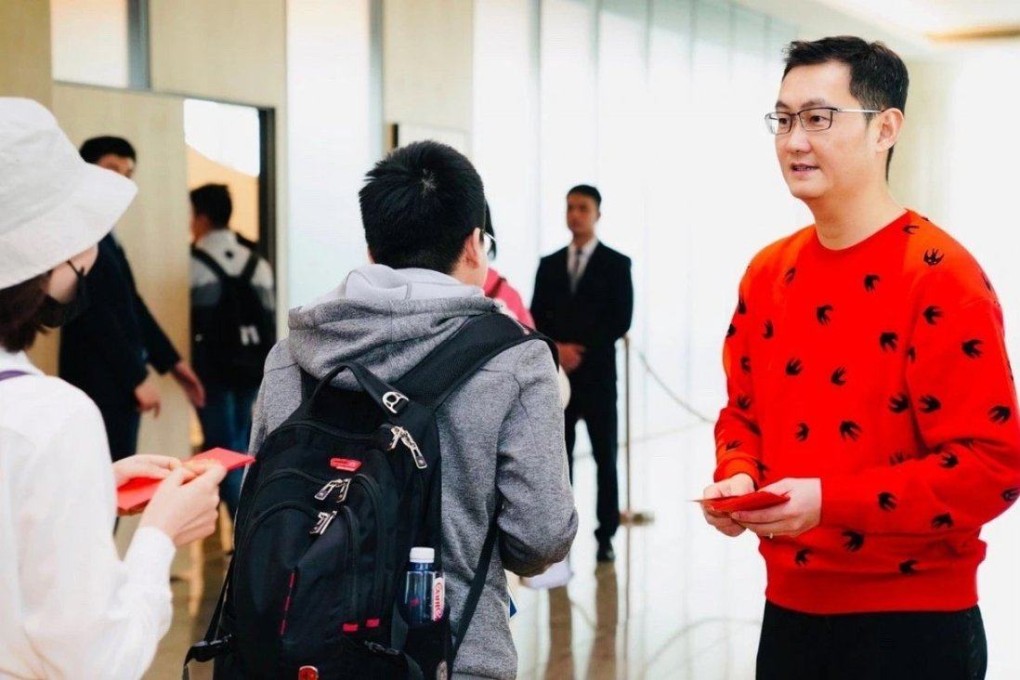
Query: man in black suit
584, 301
106, 351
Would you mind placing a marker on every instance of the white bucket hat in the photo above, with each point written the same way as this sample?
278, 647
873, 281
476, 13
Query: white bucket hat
53, 205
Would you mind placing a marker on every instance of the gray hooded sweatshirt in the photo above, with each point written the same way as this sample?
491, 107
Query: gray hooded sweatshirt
501, 433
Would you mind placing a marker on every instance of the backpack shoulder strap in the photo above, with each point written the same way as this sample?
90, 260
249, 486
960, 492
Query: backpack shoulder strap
433, 380
249, 267
477, 342
210, 262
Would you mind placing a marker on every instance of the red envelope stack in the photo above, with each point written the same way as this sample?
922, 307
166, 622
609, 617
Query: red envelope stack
135, 493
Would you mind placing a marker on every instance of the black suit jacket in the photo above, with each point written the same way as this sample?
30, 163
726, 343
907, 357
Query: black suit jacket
105, 350
596, 316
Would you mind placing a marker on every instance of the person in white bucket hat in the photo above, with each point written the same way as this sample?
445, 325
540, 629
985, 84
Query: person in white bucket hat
69, 607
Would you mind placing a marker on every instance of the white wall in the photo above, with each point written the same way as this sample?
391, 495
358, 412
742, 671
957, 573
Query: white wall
333, 140
90, 41
427, 56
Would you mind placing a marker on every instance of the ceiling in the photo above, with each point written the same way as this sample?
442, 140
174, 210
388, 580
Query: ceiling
911, 27
940, 20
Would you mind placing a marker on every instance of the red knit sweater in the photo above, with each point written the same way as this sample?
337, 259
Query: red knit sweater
882, 370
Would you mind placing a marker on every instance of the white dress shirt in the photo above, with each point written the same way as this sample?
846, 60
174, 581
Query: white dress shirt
69, 607
576, 268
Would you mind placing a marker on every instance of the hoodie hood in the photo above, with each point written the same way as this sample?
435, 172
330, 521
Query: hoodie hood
385, 319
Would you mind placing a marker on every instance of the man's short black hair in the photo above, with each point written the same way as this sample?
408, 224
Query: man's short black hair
213, 201
97, 147
419, 204
589, 191
878, 77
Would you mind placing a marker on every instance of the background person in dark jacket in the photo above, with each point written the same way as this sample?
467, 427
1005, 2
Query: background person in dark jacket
106, 351
584, 300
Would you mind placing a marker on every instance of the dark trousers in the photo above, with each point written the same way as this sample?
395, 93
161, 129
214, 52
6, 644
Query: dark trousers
882, 646
226, 422
598, 410
122, 422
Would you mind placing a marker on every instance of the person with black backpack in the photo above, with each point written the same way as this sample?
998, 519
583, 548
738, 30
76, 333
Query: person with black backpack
233, 325
403, 412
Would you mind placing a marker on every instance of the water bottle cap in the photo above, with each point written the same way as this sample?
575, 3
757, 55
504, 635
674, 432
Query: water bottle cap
423, 555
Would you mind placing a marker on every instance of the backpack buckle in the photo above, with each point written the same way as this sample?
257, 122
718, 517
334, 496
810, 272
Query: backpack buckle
393, 402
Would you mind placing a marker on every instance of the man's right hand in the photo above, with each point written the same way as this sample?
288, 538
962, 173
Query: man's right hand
738, 485
147, 396
571, 355
186, 511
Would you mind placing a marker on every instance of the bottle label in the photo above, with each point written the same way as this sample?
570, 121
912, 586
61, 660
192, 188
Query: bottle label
438, 598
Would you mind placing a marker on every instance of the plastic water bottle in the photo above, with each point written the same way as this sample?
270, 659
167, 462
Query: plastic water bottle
425, 591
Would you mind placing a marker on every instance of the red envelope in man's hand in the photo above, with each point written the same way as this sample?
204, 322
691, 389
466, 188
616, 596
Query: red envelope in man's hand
135, 493
759, 500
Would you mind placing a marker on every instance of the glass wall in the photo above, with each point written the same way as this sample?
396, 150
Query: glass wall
659, 103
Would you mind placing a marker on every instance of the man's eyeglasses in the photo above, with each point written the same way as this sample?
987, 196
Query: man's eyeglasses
489, 243
812, 120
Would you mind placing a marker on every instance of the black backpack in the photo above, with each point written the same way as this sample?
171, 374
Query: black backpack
233, 337
329, 512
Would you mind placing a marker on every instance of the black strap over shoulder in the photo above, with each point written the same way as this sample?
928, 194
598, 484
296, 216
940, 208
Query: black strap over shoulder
210, 262
249, 267
476, 343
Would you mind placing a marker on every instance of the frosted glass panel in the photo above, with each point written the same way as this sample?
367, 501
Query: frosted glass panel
330, 80
659, 103
505, 131
569, 127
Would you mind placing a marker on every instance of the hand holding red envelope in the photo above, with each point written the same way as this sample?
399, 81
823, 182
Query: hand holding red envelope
758, 500
135, 493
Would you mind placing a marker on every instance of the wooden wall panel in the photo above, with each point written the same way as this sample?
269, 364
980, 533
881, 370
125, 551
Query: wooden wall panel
428, 54
228, 49
25, 49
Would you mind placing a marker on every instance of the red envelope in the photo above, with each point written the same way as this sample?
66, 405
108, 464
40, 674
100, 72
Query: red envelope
759, 500
135, 493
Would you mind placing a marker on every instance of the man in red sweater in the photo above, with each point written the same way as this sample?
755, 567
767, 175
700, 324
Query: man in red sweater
868, 381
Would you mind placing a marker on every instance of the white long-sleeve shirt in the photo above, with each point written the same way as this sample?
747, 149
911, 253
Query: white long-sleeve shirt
69, 607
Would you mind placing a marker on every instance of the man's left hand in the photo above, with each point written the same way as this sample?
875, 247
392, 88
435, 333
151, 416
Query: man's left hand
801, 513
190, 383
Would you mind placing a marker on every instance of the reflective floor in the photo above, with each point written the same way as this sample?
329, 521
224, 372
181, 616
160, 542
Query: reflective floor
681, 602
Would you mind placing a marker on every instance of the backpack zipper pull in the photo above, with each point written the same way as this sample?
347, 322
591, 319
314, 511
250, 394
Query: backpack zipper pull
322, 523
404, 437
342, 483
326, 490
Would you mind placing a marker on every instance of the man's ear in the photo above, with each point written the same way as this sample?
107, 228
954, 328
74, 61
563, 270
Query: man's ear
471, 252
890, 124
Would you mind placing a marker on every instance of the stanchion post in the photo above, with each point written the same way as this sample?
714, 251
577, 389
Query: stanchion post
629, 516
